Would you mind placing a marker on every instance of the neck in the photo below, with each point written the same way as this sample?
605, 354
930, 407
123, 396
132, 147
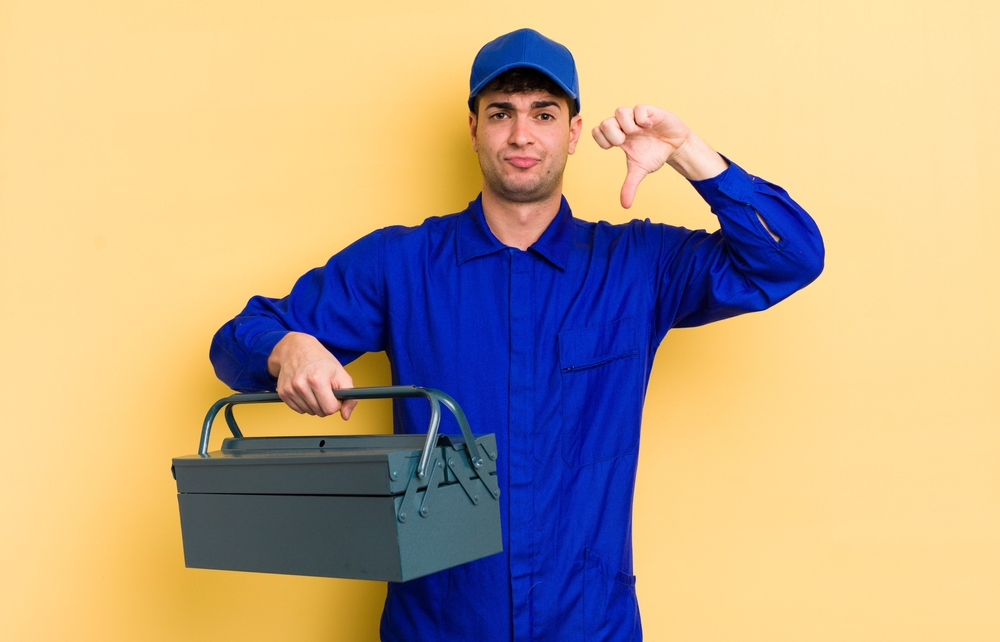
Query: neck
519, 224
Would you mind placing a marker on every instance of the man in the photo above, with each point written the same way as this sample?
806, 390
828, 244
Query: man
543, 327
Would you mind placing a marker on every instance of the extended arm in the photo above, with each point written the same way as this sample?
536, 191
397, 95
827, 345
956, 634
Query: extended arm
297, 345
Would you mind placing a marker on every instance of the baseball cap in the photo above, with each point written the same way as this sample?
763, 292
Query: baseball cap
525, 48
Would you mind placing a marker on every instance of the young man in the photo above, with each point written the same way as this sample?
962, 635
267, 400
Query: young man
543, 327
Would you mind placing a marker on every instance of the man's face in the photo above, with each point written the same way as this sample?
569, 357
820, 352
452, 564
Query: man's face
523, 141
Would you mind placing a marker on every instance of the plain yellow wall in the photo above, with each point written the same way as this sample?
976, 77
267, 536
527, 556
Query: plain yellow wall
826, 470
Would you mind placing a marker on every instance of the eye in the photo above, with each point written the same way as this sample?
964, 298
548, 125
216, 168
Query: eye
546, 116
500, 115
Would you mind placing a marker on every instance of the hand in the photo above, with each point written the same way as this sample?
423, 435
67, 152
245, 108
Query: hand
307, 376
650, 137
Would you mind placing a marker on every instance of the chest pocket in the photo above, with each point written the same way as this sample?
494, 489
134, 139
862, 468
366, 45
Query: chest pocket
601, 392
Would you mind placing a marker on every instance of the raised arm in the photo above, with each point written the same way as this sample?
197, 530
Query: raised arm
768, 246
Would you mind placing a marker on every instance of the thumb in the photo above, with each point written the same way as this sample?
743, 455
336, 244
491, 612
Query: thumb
643, 115
347, 408
632, 180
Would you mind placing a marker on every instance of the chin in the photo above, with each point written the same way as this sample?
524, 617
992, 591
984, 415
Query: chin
526, 192
521, 194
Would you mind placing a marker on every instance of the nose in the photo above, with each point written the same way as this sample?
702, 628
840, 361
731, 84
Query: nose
520, 132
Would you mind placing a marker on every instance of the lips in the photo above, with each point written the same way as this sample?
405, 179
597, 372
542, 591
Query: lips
523, 162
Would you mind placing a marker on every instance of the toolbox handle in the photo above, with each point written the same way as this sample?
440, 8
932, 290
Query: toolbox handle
435, 397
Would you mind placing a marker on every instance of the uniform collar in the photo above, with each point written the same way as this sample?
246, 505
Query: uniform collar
475, 238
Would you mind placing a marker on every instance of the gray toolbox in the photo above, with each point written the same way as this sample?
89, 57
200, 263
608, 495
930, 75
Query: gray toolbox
374, 507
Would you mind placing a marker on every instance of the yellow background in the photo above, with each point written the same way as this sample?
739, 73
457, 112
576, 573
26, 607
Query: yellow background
826, 470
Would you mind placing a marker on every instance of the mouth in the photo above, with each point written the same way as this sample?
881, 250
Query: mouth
523, 162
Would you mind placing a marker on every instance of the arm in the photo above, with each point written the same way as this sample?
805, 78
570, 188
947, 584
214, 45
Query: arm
768, 246
298, 345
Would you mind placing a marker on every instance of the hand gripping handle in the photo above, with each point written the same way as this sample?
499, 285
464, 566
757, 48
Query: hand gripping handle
435, 397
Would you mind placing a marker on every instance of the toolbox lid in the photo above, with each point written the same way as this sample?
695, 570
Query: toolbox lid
321, 465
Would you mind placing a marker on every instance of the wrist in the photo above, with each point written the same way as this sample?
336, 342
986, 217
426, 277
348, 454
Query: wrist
277, 356
695, 160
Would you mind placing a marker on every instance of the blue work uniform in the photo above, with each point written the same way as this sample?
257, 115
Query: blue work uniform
550, 349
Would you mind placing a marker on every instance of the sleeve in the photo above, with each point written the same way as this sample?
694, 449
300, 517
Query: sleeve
700, 277
341, 304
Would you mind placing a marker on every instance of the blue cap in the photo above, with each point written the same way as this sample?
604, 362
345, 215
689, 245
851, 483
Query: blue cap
524, 48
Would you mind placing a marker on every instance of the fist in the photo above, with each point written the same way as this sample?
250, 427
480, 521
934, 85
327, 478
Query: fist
307, 376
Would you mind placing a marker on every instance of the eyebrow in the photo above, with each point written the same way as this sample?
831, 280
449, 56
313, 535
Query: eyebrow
538, 104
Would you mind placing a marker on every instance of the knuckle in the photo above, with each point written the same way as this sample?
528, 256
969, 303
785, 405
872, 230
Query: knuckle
313, 377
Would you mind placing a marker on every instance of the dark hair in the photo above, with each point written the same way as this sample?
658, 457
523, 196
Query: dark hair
524, 80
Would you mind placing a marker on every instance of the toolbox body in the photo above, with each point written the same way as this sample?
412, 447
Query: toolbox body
376, 507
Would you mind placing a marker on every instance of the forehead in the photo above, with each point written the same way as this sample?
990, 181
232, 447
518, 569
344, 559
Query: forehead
521, 100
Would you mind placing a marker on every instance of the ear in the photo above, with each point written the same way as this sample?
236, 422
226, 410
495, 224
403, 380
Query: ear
575, 127
473, 122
